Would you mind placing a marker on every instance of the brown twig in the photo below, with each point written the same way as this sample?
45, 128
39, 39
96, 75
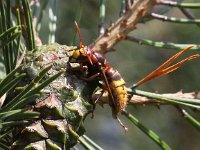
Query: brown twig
119, 29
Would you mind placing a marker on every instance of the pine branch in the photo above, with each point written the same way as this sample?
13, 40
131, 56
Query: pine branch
121, 27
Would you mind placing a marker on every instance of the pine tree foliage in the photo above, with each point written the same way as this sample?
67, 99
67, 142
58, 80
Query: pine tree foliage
44, 103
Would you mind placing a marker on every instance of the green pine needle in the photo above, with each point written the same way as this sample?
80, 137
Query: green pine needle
11, 84
161, 44
192, 103
27, 89
30, 30
180, 4
152, 135
174, 19
195, 123
10, 76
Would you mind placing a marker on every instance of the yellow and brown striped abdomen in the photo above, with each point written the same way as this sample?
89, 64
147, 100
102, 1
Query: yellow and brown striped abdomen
118, 90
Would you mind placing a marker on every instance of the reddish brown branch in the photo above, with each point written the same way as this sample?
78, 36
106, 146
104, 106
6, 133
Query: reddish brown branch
119, 29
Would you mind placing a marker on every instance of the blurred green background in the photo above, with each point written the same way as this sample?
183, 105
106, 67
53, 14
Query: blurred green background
134, 62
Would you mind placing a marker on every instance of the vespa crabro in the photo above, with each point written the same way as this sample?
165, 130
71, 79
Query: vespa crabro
99, 69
